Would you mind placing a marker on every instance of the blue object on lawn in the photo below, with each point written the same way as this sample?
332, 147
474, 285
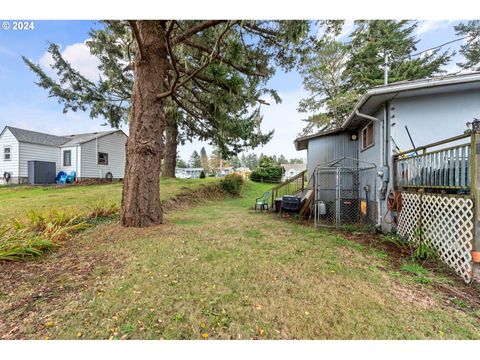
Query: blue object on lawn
71, 177
61, 177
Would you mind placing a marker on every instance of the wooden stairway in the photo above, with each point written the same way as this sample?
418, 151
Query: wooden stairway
292, 186
295, 186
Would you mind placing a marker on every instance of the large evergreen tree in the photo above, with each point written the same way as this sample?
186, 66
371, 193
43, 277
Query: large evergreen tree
115, 47
471, 48
336, 73
323, 70
210, 69
371, 38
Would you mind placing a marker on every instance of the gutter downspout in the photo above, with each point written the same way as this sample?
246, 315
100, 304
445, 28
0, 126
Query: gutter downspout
372, 118
384, 171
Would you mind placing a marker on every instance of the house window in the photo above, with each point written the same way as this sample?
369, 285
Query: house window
67, 158
368, 136
102, 158
7, 153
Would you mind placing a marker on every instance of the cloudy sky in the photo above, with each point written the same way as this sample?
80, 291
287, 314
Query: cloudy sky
25, 105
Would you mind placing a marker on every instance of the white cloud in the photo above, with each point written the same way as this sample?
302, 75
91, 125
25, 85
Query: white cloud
347, 29
430, 25
78, 55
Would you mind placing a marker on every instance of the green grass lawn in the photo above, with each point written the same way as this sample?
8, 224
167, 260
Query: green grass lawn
224, 271
16, 201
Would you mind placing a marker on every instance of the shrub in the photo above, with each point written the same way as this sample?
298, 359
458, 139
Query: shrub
202, 174
267, 171
232, 184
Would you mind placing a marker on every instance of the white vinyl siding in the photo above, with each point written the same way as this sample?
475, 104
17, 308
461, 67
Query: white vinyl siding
8, 140
114, 146
38, 152
74, 151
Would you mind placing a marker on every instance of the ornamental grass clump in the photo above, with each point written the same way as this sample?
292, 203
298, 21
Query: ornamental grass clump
21, 244
102, 209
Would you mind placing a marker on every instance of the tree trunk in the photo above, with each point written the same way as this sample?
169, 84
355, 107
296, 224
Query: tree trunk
141, 191
170, 159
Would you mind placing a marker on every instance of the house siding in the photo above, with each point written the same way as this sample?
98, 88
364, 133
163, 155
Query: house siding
11, 166
74, 151
373, 154
331, 147
432, 118
114, 146
37, 152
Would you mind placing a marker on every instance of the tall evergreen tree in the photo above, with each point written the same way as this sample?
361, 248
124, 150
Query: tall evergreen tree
210, 69
471, 48
323, 70
204, 159
336, 73
195, 160
373, 37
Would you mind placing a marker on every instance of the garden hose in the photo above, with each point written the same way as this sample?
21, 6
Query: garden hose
394, 203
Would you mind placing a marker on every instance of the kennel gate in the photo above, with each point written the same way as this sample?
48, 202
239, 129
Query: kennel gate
345, 196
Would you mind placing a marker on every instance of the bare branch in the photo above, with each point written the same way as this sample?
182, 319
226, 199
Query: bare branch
216, 50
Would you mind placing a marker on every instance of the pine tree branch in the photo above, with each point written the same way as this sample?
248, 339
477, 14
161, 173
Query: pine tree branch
242, 69
195, 29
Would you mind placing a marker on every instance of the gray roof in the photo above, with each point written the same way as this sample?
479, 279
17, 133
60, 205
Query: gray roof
37, 137
53, 140
76, 139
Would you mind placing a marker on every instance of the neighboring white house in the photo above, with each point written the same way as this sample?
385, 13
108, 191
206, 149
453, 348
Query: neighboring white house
188, 173
292, 169
432, 109
90, 155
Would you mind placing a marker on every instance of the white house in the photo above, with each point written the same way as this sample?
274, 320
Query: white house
292, 169
432, 110
90, 155
188, 173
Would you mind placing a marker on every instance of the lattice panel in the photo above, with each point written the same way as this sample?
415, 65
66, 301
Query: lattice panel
409, 215
446, 223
